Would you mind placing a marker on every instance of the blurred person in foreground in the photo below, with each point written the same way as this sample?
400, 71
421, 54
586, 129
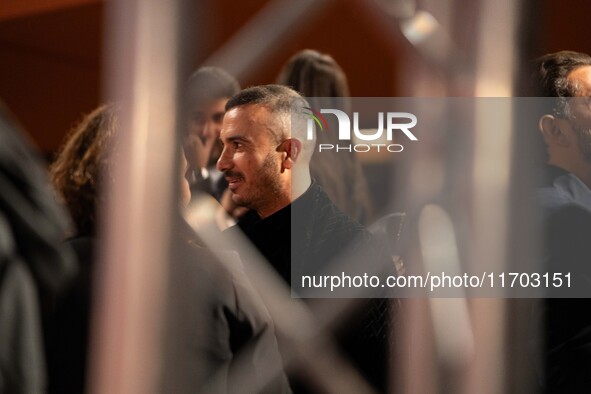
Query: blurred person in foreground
292, 221
212, 314
564, 196
34, 265
319, 78
208, 91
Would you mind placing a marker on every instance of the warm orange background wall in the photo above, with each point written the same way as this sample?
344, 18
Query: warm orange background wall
51, 52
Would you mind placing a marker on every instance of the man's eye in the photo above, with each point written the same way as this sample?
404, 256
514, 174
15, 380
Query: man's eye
237, 145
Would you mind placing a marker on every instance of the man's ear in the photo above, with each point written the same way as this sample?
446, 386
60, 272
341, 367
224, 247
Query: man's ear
291, 149
552, 130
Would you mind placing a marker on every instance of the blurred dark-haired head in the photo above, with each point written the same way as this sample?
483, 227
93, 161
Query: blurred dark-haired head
316, 74
208, 90
208, 84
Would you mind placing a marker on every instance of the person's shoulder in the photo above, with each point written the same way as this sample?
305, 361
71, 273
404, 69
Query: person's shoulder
565, 192
332, 225
326, 209
550, 198
561, 184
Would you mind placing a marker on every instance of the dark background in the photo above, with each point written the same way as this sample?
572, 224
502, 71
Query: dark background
51, 51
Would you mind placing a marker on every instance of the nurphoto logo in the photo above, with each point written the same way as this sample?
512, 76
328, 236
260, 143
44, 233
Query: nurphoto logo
395, 121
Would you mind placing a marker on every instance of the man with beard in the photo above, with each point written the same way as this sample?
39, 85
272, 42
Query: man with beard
292, 222
266, 161
565, 200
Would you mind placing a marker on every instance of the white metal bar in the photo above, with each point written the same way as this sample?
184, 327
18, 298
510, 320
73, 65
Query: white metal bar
142, 62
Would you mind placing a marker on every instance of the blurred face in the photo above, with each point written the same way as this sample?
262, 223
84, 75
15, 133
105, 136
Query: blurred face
205, 121
251, 160
580, 121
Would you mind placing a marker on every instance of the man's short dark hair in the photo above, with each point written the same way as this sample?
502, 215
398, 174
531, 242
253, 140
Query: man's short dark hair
277, 98
281, 100
210, 83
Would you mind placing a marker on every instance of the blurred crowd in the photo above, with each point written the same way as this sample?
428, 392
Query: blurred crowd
248, 169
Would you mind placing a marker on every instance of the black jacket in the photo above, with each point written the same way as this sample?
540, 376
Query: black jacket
306, 238
34, 266
565, 212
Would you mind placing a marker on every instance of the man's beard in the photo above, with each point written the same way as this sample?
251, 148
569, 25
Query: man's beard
584, 141
265, 190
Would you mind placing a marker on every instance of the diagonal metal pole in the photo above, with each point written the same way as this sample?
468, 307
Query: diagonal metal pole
264, 34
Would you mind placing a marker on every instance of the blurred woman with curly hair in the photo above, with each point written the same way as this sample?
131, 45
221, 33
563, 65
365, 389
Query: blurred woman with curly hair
81, 166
